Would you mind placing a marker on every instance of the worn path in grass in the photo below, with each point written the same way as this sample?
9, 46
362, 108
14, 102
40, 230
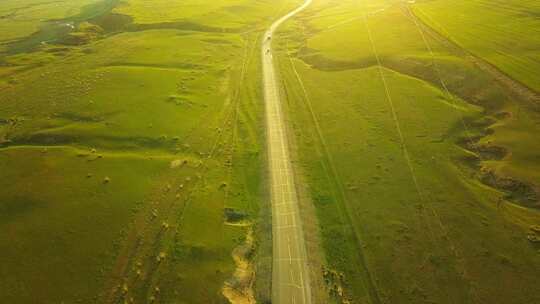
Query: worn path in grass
290, 282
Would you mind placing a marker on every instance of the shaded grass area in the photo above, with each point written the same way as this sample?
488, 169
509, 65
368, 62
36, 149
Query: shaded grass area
61, 221
410, 218
32, 23
22, 18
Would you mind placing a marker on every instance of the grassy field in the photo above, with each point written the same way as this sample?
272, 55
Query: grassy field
505, 33
421, 163
19, 19
130, 149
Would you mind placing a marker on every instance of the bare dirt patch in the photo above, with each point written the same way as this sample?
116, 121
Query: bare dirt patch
238, 289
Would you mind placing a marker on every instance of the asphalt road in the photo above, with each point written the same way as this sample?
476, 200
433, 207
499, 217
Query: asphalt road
290, 275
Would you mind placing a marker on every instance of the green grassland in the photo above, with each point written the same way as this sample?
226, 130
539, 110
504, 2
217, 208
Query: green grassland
60, 228
33, 22
22, 18
505, 33
130, 149
423, 170
221, 14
